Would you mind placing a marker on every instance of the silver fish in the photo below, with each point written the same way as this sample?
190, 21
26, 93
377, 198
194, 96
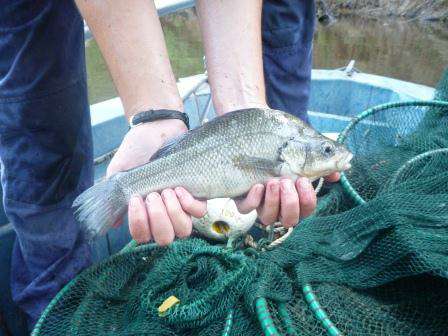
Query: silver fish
223, 158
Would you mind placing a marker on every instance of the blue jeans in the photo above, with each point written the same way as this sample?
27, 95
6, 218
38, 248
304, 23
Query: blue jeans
45, 145
45, 133
288, 29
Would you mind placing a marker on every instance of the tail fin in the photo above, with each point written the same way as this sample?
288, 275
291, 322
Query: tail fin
99, 207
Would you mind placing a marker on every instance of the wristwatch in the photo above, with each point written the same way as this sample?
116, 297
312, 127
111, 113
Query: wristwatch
153, 115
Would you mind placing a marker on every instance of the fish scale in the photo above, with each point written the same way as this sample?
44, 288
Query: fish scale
223, 158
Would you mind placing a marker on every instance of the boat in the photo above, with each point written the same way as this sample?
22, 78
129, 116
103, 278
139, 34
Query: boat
336, 97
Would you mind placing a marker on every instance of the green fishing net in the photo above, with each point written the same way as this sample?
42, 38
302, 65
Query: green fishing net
373, 260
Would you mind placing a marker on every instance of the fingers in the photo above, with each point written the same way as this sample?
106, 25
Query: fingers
162, 217
333, 177
307, 196
160, 224
190, 205
179, 219
290, 205
117, 223
137, 148
252, 200
138, 220
113, 168
168, 215
118, 163
286, 201
269, 210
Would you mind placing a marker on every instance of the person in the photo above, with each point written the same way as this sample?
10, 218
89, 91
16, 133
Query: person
45, 131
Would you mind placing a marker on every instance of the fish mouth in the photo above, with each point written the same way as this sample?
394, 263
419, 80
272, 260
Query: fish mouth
345, 164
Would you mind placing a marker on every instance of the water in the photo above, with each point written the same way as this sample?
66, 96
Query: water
399, 49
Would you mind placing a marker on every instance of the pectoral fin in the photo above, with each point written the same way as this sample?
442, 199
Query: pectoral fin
252, 162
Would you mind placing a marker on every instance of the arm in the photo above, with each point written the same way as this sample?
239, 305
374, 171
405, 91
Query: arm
231, 32
140, 68
131, 40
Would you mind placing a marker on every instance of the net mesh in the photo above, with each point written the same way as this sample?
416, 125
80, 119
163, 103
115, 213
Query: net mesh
380, 267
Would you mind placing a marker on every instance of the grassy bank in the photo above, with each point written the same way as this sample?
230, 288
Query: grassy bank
425, 10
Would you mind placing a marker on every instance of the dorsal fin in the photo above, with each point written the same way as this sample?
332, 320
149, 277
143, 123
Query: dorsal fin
167, 147
165, 150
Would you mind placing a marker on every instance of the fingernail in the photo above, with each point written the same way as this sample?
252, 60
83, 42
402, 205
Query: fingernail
152, 197
287, 185
179, 192
166, 193
305, 184
259, 188
274, 187
134, 202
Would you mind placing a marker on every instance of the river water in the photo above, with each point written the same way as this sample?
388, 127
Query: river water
400, 49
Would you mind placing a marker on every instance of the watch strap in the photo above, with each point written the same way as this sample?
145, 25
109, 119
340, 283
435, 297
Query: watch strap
153, 115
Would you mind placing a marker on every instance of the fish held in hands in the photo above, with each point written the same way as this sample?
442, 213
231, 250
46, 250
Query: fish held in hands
223, 158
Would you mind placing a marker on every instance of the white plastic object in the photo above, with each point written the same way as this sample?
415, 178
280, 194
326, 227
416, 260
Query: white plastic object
223, 221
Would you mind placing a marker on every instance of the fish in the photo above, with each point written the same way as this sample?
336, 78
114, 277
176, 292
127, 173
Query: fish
223, 158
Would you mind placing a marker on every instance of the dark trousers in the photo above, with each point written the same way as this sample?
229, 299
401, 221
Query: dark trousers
288, 29
45, 144
45, 131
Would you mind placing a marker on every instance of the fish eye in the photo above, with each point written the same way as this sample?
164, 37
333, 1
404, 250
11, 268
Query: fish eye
328, 149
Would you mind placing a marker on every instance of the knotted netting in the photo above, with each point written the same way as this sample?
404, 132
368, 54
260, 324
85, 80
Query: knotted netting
372, 260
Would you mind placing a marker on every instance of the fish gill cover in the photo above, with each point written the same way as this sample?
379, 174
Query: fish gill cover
373, 267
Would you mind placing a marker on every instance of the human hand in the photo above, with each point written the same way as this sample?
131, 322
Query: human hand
158, 217
282, 200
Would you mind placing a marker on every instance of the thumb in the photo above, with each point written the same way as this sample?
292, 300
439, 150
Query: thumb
115, 165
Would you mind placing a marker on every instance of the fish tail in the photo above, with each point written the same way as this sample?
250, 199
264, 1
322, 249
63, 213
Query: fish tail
98, 208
